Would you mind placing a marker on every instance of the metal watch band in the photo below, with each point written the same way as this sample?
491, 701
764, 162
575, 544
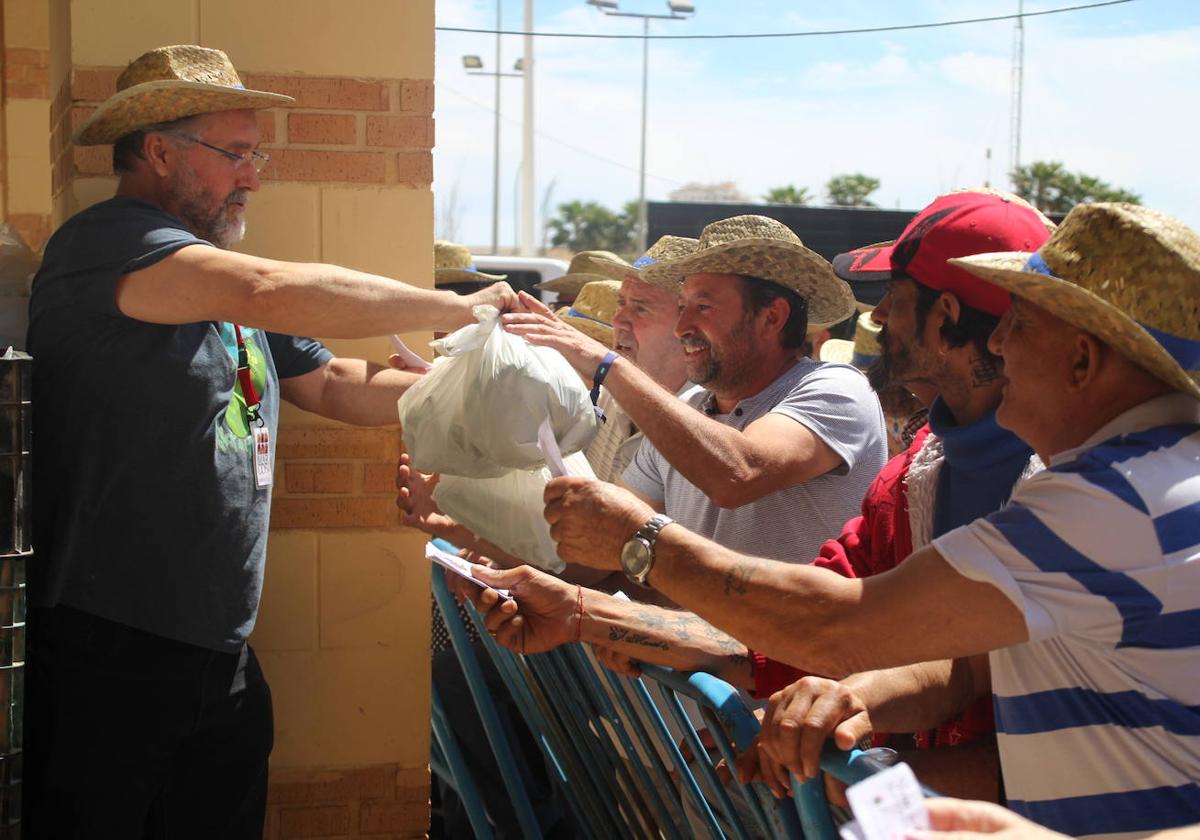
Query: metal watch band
648, 534
653, 527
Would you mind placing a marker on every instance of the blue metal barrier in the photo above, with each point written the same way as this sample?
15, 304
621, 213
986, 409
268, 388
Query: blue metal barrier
446, 760
619, 768
501, 748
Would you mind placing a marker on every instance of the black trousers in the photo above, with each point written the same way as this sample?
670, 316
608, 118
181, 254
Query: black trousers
133, 736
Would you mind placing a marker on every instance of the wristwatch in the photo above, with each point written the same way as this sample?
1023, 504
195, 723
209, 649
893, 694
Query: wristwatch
637, 557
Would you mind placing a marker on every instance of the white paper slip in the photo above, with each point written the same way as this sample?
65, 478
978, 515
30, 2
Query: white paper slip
888, 804
410, 359
550, 451
851, 831
458, 565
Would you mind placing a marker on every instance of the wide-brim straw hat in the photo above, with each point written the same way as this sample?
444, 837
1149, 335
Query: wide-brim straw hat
862, 351
666, 248
584, 268
1124, 273
453, 263
167, 84
593, 310
757, 246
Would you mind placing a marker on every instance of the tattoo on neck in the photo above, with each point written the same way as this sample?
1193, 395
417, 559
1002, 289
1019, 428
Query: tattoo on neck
985, 370
620, 634
737, 579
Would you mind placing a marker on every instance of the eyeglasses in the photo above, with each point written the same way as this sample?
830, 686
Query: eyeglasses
256, 159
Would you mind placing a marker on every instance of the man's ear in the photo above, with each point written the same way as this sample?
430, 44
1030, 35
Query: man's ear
1087, 355
774, 316
157, 148
947, 309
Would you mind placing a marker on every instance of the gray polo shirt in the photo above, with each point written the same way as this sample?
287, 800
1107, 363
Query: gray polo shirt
836, 404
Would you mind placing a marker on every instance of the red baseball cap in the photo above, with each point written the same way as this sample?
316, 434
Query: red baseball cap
957, 224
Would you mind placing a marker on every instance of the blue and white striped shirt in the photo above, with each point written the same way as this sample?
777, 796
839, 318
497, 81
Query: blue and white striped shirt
1098, 714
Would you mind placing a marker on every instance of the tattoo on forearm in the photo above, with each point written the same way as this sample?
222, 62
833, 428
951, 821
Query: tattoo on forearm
737, 579
985, 369
620, 634
739, 659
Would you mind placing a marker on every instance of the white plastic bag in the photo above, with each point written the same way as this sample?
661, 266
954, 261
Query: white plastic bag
476, 413
507, 510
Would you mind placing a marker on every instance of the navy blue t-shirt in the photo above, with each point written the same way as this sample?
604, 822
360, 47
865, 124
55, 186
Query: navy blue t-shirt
145, 505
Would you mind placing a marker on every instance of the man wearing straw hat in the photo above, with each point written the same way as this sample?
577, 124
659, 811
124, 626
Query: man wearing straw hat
1084, 590
776, 451
965, 470
161, 361
583, 269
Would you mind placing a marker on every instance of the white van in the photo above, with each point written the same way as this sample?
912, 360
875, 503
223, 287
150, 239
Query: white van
524, 273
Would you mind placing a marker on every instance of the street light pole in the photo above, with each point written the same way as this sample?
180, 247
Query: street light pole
496, 146
474, 67
643, 223
679, 11
527, 171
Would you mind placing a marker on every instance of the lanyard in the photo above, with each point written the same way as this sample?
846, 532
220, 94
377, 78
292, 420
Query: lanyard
249, 394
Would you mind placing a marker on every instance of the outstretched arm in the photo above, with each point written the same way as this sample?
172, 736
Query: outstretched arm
351, 390
811, 618
546, 612
201, 283
733, 467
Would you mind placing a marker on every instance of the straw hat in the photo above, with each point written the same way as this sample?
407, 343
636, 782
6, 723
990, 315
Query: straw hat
593, 310
860, 352
453, 263
1127, 274
666, 248
756, 246
170, 83
584, 268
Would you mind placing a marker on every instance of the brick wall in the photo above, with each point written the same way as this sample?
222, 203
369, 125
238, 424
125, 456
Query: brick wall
353, 131
26, 90
374, 802
335, 477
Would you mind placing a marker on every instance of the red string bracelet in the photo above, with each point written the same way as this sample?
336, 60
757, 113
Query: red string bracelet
579, 623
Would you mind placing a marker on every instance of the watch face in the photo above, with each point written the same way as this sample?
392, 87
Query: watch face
635, 557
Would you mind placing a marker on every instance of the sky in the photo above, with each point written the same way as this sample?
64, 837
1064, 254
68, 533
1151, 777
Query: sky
1109, 91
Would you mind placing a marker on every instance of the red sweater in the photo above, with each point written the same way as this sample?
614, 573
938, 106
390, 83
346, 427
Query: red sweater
878, 540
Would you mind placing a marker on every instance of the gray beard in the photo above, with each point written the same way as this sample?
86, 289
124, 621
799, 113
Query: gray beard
214, 227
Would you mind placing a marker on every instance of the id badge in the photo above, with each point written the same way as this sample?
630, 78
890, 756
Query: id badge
263, 472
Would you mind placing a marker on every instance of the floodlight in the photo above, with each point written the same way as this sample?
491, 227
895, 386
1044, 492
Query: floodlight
472, 62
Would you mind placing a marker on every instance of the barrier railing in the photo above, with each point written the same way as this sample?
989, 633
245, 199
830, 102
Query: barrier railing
616, 756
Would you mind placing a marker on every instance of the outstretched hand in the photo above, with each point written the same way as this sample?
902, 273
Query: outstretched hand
538, 325
543, 612
414, 497
591, 520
